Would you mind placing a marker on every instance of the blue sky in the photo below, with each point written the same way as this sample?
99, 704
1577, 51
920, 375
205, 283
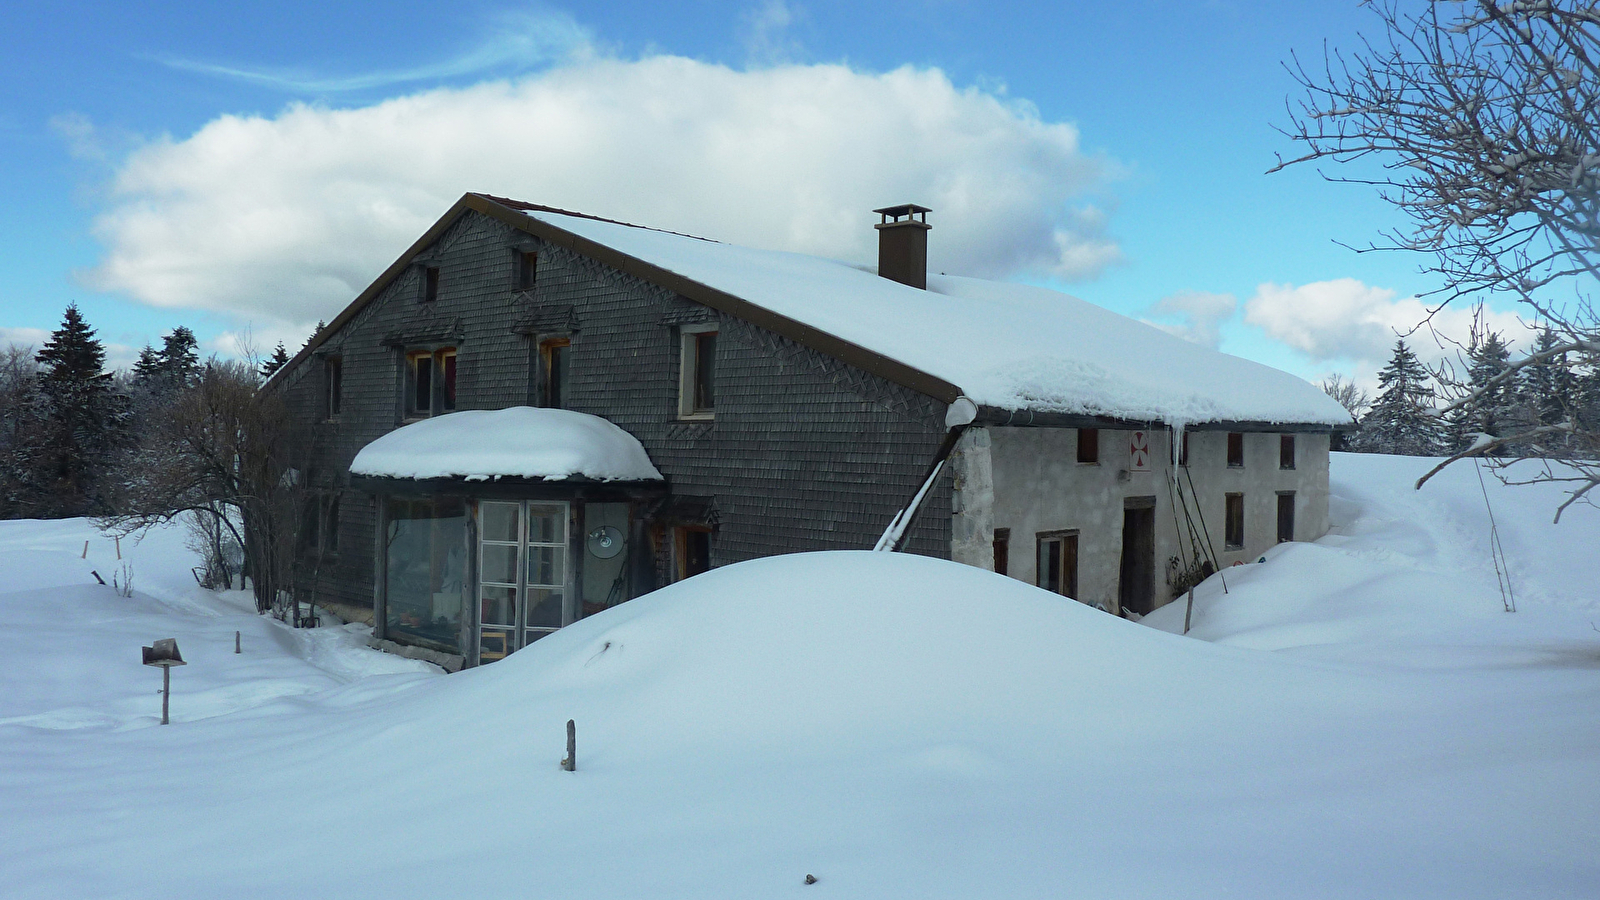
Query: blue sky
113, 119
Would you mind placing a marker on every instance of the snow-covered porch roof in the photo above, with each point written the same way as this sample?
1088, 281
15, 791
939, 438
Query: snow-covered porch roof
521, 443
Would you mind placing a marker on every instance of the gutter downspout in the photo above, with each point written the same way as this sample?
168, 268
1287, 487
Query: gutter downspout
961, 413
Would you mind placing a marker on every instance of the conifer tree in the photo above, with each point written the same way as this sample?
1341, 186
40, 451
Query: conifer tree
278, 359
180, 359
1494, 408
1549, 388
85, 418
147, 370
1402, 420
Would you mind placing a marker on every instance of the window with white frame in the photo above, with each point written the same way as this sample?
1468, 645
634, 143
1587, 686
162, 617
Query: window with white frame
697, 372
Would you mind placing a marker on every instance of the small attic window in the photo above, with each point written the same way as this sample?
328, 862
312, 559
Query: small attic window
1235, 450
527, 269
430, 284
1286, 451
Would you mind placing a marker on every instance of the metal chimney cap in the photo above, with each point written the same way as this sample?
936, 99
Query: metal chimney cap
893, 215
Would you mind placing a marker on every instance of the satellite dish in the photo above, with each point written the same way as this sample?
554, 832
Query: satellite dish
604, 542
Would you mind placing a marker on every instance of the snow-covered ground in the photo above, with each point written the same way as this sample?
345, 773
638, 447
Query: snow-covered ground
1357, 718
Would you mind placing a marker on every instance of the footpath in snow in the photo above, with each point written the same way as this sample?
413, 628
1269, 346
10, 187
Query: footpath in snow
1355, 718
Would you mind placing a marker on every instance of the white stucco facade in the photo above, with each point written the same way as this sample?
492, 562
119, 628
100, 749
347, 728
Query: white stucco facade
1027, 482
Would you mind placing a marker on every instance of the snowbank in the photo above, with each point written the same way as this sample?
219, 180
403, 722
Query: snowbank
519, 442
897, 726
1005, 345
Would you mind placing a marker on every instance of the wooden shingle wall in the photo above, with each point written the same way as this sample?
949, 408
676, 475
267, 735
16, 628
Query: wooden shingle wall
805, 453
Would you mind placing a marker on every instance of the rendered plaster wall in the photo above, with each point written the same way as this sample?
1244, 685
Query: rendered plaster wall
1035, 485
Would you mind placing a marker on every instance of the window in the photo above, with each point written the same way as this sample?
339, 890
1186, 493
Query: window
1235, 450
333, 376
1088, 445
1286, 451
430, 382
319, 525
425, 571
1235, 521
330, 524
698, 375
1002, 550
1183, 451
691, 551
430, 284
527, 269
553, 372
1285, 516
1057, 569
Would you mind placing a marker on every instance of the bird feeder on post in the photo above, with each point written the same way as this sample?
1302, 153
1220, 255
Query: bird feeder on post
164, 654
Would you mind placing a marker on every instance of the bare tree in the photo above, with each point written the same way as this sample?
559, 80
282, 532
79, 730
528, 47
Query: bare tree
1480, 121
1350, 396
218, 451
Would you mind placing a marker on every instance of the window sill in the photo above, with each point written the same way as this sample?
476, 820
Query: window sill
697, 417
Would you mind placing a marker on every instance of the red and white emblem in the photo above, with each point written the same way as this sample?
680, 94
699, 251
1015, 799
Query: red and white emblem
1139, 452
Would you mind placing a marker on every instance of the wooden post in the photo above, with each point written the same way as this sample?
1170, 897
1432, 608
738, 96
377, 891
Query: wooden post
85, 549
166, 691
236, 642
571, 762
118, 539
1188, 611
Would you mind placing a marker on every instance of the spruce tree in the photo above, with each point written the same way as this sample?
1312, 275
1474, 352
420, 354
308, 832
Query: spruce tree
1494, 408
1402, 420
147, 370
1549, 388
85, 418
180, 359
278, 359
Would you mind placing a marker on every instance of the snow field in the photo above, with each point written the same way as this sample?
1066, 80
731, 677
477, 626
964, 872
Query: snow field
1358, 719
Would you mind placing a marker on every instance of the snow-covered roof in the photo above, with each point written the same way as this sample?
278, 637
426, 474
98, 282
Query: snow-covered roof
1004, 345
520, 442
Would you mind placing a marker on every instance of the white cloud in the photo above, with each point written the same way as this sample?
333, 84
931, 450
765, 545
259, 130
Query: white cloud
515, 42
24, 337
1344, 319
1201, 315
281, 221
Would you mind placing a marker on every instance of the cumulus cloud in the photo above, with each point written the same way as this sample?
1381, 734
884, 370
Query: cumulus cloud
24, 337
1200, 316
1348, 319
282, 220
1345, 319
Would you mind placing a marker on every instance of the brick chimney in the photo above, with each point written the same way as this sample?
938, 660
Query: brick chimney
903, 244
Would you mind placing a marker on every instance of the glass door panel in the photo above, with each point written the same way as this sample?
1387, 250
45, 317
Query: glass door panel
522, 574
547, 568
499, 560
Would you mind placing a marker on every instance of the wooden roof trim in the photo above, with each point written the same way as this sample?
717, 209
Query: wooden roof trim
372, 291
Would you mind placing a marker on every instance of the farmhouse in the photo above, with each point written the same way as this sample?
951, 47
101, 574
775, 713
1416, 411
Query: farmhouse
534, 414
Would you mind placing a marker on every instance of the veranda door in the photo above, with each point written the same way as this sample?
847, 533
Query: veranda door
522, 574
